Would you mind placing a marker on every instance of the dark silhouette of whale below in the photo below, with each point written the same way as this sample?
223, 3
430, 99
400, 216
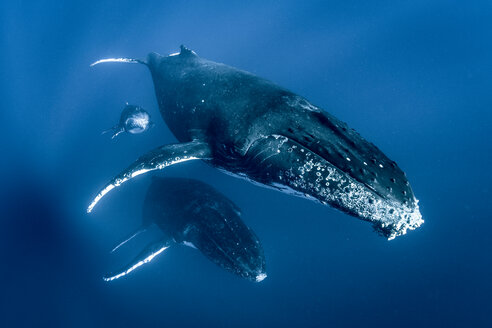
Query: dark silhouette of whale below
192, 213
252, 128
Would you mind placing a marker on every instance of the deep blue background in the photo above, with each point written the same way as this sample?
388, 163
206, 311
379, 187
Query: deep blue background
414, 77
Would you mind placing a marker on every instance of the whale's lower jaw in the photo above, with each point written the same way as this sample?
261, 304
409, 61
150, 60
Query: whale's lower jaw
319, 180
397, 225
279, 163
389, 218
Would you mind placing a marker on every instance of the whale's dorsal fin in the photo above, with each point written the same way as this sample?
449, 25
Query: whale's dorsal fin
185, 52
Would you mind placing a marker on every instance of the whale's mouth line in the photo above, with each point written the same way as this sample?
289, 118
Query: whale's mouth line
285, 188
343, 191
320, 154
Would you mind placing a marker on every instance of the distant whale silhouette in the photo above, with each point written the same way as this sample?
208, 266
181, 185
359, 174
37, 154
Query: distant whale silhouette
194, 214
252, 128
133, 119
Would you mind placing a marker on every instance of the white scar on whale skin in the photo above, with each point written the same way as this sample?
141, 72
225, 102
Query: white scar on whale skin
117, 60
136, 265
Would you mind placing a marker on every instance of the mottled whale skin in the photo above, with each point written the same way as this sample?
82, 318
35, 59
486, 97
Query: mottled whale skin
133, 119
194, 214
252, 128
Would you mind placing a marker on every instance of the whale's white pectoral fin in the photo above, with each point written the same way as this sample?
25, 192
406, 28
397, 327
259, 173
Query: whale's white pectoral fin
118, 60
147, 255
157, 159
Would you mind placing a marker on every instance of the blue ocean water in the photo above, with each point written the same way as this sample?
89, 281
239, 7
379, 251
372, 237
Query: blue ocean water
413, 77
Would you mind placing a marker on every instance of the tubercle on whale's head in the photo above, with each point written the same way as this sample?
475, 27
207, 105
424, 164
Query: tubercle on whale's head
402, 219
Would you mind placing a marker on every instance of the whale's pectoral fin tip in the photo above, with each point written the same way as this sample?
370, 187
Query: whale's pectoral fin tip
117, 133
118, 60
147, 255
157, 159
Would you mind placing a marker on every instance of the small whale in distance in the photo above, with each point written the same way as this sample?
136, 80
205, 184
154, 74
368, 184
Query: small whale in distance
133, 119
192, 213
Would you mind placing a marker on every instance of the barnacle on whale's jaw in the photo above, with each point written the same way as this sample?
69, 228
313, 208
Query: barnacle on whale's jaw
397, 223
260, 277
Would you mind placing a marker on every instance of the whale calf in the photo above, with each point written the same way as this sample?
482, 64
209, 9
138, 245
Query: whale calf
133, 120
252, 128
194, 214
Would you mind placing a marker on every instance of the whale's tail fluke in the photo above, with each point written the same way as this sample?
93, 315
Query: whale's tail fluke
119, 60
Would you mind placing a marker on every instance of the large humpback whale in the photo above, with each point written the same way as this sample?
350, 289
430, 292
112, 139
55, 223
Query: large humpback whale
194, 214
252, 128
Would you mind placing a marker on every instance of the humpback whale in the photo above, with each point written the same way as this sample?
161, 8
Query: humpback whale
133, 119
252, 128
194, 214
